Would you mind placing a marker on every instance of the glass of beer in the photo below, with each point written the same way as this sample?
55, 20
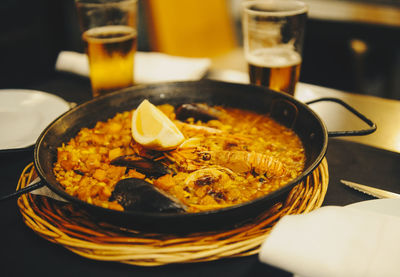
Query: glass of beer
273, 32
109, 34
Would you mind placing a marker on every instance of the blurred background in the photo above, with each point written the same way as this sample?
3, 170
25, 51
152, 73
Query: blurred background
349, 45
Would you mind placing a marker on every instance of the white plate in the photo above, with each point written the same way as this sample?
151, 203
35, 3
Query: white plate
24, 114
383, 206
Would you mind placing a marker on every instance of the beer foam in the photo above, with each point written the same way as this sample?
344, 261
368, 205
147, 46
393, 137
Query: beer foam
274, 57
116, 33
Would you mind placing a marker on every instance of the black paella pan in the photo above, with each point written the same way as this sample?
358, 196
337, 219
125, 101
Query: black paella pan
283, 108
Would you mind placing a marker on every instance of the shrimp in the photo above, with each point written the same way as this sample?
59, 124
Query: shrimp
192, 129
237, 161
243, 161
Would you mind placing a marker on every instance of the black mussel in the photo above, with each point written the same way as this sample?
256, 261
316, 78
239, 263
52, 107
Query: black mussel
143, 165
138, 195
197, 111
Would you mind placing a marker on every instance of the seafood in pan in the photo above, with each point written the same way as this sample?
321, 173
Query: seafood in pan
227, 156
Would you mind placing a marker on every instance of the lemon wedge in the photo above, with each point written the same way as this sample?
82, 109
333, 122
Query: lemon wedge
153, 129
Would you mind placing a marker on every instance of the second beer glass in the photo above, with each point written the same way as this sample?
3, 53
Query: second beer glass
273, 39
109, 35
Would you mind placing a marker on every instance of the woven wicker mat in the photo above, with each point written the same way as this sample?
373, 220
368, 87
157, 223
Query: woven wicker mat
62, 224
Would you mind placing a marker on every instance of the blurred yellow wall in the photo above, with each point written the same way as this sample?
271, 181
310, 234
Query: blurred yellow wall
191, 28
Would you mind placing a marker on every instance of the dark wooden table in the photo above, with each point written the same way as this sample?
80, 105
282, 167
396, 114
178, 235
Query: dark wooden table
23, 253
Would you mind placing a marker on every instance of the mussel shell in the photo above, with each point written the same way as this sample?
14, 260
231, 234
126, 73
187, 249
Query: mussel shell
197, 111
138, 195
143, 165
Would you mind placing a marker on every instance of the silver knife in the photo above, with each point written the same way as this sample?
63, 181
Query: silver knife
379, 193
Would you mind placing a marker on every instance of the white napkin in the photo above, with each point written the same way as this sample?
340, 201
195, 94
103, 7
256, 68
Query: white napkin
335, 241
45, 191
150, 67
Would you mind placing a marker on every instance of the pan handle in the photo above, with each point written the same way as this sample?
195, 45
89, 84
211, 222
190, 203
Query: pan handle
27, 189
362, 132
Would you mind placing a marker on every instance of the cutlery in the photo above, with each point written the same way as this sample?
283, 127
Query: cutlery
379, 193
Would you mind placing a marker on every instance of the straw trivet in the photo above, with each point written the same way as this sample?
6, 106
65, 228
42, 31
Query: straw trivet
61, 223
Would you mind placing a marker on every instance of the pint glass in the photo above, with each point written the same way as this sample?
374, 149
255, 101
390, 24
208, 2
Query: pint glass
273, 33
109, 34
